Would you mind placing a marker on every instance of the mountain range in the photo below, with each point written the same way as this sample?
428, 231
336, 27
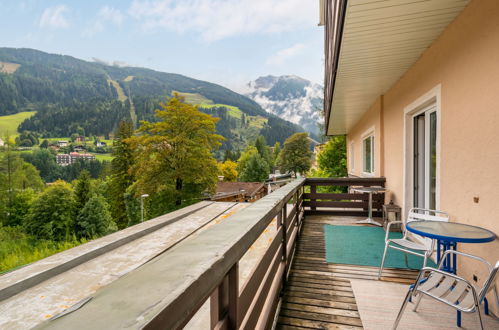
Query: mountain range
69, 95
290, 97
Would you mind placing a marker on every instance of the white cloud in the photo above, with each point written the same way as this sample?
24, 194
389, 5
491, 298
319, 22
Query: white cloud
53, 17
219, 19
111, 14
282, 55
105, 15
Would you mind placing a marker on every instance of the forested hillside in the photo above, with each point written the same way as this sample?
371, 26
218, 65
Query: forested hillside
68, 94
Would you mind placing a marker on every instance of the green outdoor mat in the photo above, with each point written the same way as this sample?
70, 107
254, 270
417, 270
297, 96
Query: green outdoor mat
359, 245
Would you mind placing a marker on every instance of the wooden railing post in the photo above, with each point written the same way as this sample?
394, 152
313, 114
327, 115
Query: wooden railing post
297, 206
313, 190
224, 302
234, 296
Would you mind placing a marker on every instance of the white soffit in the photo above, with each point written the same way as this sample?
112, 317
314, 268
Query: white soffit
381, 40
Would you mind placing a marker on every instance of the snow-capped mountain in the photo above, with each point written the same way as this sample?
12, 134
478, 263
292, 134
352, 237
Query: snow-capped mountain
289, 97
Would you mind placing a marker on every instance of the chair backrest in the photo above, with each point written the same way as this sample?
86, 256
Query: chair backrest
420, 214
490, 282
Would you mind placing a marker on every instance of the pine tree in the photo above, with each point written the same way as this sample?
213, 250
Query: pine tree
275, 153
256, 169
121, 176
82, 190
95, 219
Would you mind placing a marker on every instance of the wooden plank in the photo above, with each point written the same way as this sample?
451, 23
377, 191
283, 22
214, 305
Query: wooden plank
329, 291
376, 214
346, 204
343, 196
321, 303
355, 321
294, 293
366, 182
297, 322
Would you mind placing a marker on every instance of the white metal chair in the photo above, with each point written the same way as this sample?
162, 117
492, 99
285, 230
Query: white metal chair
407, 245
451, 289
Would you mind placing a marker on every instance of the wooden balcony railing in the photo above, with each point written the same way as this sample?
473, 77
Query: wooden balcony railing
342, 203
167, 291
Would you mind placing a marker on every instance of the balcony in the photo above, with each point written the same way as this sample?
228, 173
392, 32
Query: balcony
262, 266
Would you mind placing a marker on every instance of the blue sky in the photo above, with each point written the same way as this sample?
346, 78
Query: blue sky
229, 42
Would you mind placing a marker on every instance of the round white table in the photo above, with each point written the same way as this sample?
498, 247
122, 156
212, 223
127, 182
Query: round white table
370, 191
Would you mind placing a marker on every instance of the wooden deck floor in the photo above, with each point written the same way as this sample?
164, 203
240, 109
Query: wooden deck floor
319, 295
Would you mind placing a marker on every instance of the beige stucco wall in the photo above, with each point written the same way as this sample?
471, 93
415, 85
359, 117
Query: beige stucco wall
370, 121
464, 61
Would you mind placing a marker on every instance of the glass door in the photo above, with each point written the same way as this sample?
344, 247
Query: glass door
425, 158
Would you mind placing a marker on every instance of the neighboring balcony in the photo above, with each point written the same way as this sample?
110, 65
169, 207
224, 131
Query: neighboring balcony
228, 266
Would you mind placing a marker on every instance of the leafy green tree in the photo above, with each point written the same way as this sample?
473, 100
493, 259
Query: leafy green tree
121, 173
245, 156
19, 209
263, 149
44, 160
27, 176
15, 177
275, 153
175, 154
296, 155
27, 139
229, 170
332, 160
44, 144
95, 219
256, 169
132, 206
82, 190
9, 162
52, 213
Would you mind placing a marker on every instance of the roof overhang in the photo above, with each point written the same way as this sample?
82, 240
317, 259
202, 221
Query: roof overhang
369, 45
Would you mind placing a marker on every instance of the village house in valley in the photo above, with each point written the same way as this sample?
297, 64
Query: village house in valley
73, 157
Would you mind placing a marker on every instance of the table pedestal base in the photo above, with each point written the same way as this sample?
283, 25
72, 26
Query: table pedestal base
370, 221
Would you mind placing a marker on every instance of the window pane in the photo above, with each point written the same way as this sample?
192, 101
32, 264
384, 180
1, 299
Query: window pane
433, 160
368, 154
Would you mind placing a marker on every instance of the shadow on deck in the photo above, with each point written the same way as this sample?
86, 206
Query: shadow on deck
319, 294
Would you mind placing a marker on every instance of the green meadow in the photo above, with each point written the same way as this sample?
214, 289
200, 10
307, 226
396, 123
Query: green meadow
10, 123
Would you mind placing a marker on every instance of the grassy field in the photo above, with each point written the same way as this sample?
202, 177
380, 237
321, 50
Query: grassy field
18, 249
6, 67
121, 95
129, 78
103, 157
233, 111
194, 98
9, 124
90, 140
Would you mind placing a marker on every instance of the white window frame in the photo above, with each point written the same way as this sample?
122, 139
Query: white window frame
370, 133
431, 98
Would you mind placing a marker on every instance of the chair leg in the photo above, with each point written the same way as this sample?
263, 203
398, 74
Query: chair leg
402, 308
382, 261
417, 302
477, 304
